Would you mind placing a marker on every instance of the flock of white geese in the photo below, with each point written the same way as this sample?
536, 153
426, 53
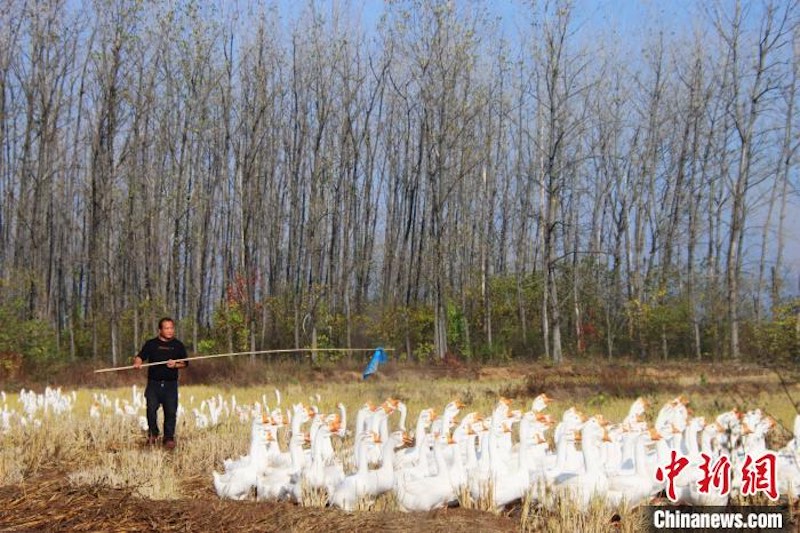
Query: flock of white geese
32, 409
478, 456
33, 406
495, 460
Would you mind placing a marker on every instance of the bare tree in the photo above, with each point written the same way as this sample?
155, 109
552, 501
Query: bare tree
746, 98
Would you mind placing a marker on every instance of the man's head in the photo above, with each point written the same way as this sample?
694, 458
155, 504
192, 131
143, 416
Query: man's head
166, 328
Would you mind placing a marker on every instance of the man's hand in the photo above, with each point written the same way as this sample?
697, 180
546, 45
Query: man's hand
137, 362
171, 363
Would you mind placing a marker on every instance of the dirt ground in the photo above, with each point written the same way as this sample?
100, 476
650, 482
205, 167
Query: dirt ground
49, 503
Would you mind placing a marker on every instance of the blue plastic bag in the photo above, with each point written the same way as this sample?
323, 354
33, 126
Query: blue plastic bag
378, 358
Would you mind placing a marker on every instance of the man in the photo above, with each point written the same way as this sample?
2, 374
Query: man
162, 380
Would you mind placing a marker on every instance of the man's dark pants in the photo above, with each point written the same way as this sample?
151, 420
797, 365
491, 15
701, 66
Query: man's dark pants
162, 393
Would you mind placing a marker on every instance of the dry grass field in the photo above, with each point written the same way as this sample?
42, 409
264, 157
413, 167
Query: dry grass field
72, 471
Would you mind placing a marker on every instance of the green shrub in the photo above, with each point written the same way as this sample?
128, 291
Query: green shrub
33, 338
779, 339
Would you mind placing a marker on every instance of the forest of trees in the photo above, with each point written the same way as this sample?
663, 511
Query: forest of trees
436, 183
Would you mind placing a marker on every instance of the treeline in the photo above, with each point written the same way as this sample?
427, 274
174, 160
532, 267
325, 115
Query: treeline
426, 183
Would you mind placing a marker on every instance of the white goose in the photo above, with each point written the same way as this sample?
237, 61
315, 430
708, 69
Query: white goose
611, 451
433, 491
400, 406
362, 417
342, 420
353, 488
514, 478
566, 458
422, 468
326, 446
504, 443
538, 447
441, 426
754, 442
492, 463
540, 403
276, 483
671, 421
411, 456
731, 424
322, 473
367, 484
788, 473
379, 429
240, 475
581, 487
635, 420
637, 485
300, 415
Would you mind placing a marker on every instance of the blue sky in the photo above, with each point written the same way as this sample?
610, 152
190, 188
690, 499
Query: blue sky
631, 19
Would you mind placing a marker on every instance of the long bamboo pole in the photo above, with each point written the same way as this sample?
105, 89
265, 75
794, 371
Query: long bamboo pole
213, 356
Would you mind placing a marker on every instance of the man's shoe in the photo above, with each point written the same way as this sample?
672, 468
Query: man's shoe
152, 440
169, 444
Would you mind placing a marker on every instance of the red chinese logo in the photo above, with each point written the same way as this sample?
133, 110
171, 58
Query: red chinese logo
718, 475
759, 476
673, 469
